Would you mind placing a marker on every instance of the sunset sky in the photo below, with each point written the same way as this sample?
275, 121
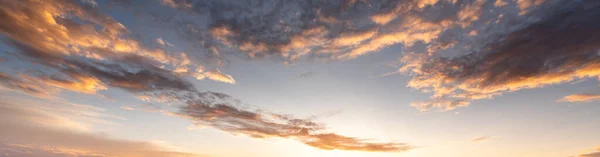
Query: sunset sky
299, 78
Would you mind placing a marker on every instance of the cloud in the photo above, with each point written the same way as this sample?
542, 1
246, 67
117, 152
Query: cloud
74, 47
583, 97
25, 86
217, 110
218, 76
543, 53
67, 29
329, 30
481, 139
29, 132
496, 56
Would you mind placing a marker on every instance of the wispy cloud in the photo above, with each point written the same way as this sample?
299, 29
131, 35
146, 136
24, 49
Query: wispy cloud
583, 97
29, 132
481, 139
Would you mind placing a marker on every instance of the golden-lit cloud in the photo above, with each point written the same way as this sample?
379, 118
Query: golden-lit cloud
52, 28
470, 13
525, 5
500, 3
583, 97
218, 76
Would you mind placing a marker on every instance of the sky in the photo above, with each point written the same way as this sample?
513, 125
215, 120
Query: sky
298, 78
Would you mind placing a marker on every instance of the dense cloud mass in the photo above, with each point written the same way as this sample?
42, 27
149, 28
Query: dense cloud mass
562, 47
335, 29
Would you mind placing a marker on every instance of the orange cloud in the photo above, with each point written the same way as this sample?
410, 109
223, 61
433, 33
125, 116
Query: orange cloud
584, 97
50, 27
525, 5
218, 76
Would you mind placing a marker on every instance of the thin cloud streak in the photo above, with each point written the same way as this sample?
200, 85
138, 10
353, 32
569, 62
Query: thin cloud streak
595, 153
481, 139
583, 97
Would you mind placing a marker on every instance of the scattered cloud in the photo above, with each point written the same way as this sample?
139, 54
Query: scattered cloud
459, 50
82, 50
